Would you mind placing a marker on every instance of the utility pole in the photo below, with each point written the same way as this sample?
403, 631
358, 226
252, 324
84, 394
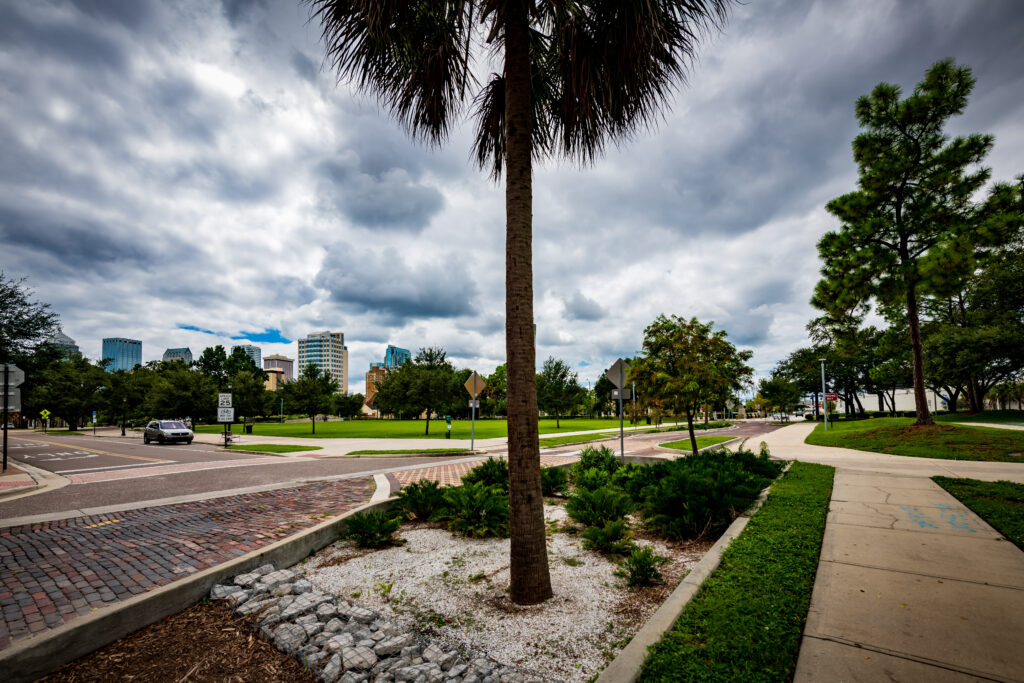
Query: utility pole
823, 394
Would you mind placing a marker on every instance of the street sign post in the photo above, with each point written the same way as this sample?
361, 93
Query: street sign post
474, 385
616, 374
223, 400
13, 377
45, 415
225, 413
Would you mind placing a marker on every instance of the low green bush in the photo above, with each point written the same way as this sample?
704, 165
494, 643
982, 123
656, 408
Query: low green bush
554, 481
614, 538
634, 479
599, 506
372, 529
640, 568
592, 479
421, 500
477, 510
491, 472
602, 458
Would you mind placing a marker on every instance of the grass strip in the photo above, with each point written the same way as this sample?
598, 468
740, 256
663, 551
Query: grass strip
702, 442
579, 438
426, 451
1002, 417
747, 620
899, 436
273, 448
1000, 503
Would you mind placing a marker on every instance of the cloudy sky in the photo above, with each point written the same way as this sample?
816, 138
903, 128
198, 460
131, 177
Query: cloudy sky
186, 173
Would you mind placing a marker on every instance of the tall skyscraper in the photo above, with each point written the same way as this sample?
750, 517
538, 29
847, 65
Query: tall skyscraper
66, 344
252, 351
375, 374
394, 356
183, 354
279, 362
124, 353
327, 351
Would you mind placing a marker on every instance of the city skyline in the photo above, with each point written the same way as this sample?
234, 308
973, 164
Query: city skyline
152, 142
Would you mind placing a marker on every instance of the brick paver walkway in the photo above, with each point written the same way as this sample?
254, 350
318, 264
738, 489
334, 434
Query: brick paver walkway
451, 474
55, 571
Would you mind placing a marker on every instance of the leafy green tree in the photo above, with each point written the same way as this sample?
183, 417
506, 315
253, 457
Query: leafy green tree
212, 363
311, 393
573, 76
248, 391
803, 366
125, 392
424, 385
913, 225
178, 391
780, 392
72, 389
495, 392
24, 324
558, 388
347, 406
603, 389
687, 364
240, 361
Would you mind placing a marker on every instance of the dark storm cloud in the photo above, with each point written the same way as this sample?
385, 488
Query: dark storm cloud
579, 307
748, 328
238, 10
383, 282
133, 14
391, 199
304, 66
83, 44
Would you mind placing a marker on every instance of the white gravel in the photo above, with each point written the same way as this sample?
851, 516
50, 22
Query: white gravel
455, 590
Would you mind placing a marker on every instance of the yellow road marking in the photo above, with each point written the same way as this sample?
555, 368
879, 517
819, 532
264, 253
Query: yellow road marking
109, 521
91, 450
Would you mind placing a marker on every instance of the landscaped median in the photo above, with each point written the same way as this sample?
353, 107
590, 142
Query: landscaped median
899, 436
273, 448
746, 621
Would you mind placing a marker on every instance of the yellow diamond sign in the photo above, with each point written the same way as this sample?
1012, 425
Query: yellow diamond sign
44, 413
475, 384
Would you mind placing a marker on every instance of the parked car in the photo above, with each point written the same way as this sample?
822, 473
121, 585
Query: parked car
167, 431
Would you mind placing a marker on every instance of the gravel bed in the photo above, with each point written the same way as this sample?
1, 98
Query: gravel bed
455, 590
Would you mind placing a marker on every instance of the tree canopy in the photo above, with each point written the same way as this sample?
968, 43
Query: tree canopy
24, 323
558, 388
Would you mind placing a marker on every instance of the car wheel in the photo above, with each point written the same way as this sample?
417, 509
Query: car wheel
189, 442
160, 439
145, 439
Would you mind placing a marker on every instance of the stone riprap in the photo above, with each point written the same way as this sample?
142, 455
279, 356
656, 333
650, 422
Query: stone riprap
345, 642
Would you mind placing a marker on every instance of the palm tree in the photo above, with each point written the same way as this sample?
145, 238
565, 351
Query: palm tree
576, 74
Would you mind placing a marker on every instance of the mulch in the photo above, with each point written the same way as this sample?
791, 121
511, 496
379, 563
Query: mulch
204, 643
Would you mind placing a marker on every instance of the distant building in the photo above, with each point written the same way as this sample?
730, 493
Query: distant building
182, 354
327, 351
252, 351
394, 356
375, 374
66, 344
278, 362
275, 379
124, 353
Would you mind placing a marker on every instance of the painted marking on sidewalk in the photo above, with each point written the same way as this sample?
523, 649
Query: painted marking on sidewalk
98, 524
93, 450
110, 467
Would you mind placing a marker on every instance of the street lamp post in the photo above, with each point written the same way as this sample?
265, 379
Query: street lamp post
824, 397
124, 413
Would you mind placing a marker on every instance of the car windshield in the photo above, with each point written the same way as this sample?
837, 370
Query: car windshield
172, 425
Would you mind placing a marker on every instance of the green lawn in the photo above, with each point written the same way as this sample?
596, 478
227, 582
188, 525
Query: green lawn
273, 448
1002, 417
1000, 503
898, 436
406, 429
423, 451
747, 620
702, 442
579, 438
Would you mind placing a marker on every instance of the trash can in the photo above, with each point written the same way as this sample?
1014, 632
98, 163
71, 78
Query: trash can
248, 429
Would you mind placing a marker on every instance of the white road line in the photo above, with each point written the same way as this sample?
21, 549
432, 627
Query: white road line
110, 467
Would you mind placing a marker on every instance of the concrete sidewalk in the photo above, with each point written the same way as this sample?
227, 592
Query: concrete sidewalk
911, 585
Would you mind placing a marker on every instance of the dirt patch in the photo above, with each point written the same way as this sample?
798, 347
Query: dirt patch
203, 643
913, 430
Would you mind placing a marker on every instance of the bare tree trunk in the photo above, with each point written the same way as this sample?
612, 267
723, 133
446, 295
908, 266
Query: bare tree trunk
924, 416
693, 437
530, 580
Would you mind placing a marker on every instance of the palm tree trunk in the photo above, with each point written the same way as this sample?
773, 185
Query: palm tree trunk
924, 416
530, 581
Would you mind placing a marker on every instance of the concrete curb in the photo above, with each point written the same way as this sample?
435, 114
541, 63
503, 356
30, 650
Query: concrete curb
679, 450
38, 655
626, 666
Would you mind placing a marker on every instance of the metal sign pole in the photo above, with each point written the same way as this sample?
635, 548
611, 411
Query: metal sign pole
7, 374
622, 436
472, 429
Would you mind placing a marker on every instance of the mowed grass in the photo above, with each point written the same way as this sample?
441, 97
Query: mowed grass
747, 620
406, 429
578, 438
1000, 503
273, 448
899, 436
702, 442
410, 451
1014, 418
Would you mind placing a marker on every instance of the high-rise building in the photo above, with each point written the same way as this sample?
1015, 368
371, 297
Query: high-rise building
394, 356
182, 354
279, 362
375, 374
252, 351
66, 344
327, 351
123, 353
275, 379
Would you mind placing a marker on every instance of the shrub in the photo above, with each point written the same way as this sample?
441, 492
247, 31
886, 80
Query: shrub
598, 507
477, 510
553, 481
614, 538
602, 458
421, 500
372, 529
640, 568
591, 479
491, 472
635, 479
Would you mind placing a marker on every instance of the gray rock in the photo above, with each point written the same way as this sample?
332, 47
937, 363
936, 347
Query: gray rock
393, 646
246, 580
307, 619
433, 652
358, 658
482, 666
340, 642
457, 670
331, 670
366, 643
283, 589
313, 629
252, 606
379, 636
428, 672
357, 613
387, 627
219, 592
289, 637
326, 612
447, 660
275, 579
263, 570
301, 586
334, 625
410, 651
363, 634
353, 677
304, 604
234, 600
271, 616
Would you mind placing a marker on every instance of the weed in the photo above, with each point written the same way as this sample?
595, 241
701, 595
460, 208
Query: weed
595, 508
384, 588
372, 529
553, 481
491, 472
614, 538
421, 500
640, 568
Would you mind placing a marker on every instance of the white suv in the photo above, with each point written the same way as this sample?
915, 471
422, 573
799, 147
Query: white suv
167, 431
